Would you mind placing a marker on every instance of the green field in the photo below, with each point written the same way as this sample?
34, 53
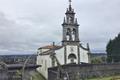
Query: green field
107, 78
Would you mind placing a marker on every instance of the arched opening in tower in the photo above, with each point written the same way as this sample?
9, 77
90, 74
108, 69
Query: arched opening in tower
73, 34
68, 34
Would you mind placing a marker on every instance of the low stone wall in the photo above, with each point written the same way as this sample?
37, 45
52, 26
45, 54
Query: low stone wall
3, 71
81, 71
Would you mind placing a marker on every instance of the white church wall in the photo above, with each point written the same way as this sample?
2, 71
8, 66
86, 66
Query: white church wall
84, 56
60, 55
75, 51
45, 61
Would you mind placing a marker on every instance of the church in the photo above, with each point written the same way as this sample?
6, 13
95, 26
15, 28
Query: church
71, 49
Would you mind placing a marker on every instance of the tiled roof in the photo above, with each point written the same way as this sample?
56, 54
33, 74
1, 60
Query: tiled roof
50, 47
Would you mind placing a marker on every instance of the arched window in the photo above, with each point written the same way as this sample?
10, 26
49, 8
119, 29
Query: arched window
73, 34
68, 34
74, 31
72, 57
68, 31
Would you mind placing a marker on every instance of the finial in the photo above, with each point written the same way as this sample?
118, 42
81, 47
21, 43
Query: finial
70, 5
76, 20
70, 2
64, 20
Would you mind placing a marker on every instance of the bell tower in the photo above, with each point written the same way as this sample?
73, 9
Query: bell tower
70, 27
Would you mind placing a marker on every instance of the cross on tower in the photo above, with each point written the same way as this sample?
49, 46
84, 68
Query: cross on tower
70, 2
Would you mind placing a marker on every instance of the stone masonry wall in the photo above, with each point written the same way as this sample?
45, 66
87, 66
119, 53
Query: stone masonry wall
81, 71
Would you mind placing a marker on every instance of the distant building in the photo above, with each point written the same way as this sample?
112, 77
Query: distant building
71, 50
18, 59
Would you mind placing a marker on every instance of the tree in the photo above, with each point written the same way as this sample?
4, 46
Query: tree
113, 49
96, 61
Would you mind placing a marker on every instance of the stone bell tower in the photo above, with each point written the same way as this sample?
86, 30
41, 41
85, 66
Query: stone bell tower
70, 27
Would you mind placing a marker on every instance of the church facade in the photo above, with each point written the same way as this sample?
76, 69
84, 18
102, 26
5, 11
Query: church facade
71, 50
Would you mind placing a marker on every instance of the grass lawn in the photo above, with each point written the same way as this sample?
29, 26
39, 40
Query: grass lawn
38, 76
107, 78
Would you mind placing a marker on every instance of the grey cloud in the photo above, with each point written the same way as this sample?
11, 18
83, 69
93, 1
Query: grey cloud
99, 21
19, 37
28, 24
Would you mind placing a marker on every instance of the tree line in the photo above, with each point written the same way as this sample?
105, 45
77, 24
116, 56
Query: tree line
113, 49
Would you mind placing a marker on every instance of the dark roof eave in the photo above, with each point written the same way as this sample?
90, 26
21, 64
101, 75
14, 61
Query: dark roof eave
84, 48
20, 66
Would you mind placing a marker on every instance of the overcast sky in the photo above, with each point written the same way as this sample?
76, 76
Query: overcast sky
25, 25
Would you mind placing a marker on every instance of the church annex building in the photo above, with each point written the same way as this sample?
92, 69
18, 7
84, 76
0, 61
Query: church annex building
71, 50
